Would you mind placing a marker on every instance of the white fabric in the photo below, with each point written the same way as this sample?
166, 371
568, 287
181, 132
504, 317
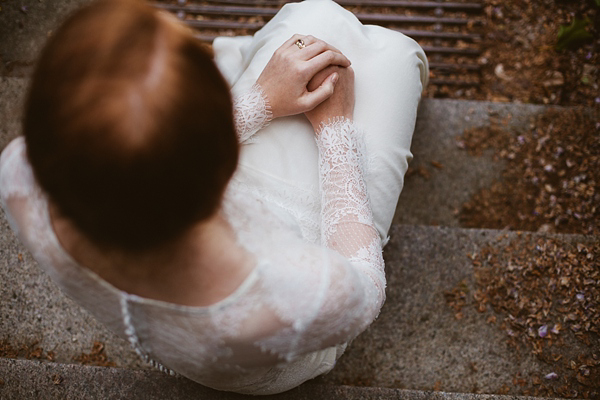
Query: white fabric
318, 280
251, 112
391, 71
278, 328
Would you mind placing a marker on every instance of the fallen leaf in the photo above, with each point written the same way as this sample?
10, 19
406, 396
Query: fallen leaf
574, 34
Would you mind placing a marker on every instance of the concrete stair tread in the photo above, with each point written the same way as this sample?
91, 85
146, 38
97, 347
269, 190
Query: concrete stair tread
416, 342
64, 381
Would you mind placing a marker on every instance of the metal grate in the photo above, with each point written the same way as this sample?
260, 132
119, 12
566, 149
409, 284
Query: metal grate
447, 31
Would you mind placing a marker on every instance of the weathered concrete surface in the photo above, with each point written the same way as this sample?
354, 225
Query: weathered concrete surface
434, 201
22, 379
24, 28
415, 343
12, 96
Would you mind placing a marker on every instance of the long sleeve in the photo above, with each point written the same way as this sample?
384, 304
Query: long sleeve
251, 112
329, 294
347, 220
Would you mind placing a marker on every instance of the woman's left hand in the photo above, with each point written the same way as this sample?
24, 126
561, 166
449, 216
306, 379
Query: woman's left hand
285, 78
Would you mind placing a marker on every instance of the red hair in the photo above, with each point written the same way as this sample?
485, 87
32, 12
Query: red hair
129, 125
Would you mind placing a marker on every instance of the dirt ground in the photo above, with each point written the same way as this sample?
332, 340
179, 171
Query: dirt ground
545, 293
552, 179
521, 62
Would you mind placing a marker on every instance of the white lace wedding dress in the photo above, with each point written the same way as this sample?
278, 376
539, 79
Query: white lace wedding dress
307, 295
319, 276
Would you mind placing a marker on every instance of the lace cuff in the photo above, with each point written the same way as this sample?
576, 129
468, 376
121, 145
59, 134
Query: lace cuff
251, 112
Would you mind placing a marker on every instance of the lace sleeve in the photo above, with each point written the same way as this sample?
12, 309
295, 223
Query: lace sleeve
329, 294
251, 112
347, 220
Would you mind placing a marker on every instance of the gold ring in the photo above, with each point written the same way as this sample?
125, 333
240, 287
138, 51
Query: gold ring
300, 43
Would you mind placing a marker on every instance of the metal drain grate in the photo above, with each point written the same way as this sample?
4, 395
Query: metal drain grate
449, 32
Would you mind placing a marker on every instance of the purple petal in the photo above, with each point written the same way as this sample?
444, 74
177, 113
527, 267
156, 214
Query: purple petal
551, 376
543, 331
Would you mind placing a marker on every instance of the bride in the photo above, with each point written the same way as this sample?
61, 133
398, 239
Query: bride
239, 249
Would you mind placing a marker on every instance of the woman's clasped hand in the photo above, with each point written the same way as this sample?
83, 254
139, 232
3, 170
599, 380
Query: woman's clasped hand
308, 75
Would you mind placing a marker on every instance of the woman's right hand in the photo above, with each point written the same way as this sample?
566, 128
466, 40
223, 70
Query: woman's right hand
341, 103
287, 74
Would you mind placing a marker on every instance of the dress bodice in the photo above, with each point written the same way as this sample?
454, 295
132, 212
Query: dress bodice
300, 297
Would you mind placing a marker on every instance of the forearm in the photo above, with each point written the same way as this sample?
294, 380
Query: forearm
347, 220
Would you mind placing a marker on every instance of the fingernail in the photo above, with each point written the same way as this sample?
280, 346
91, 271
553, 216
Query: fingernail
335, 78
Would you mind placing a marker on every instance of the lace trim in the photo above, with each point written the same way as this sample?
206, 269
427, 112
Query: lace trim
371, 257
251, 112
134, 340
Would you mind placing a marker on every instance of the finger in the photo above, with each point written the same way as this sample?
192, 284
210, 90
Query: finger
312, 40
325, 59
309, 40
320, 77
317, 48
291, 41
322, 93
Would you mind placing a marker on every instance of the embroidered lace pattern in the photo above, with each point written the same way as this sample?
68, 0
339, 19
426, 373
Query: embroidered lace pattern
251, 112
347, 219
300, 298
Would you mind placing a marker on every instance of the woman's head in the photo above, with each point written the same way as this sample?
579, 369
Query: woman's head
129, 126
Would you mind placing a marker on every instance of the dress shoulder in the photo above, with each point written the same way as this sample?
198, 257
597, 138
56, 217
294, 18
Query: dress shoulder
16, 175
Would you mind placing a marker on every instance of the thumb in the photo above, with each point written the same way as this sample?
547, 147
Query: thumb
323, 92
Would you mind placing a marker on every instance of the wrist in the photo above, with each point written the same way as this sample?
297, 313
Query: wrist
329, 121
266, 103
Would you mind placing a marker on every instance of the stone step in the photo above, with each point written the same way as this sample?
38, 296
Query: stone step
434, 196
12, 96
24, 379
24, 28
416, 343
